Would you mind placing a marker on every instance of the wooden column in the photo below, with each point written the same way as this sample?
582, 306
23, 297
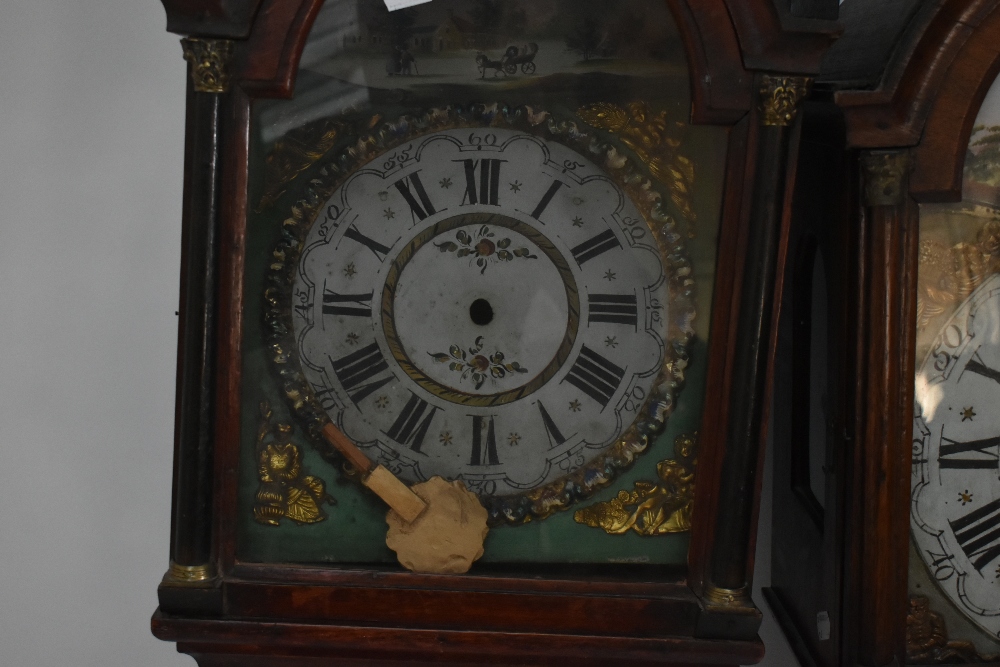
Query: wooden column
191, 553
878, 492
733, 544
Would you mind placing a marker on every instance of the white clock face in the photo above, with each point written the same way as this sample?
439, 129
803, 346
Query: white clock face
955, 503
483, 305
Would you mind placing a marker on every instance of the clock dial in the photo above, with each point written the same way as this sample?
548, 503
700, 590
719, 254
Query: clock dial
488, 305
955, 508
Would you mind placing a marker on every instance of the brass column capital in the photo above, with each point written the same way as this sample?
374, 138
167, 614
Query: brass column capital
211, 61
886, 176
780, 97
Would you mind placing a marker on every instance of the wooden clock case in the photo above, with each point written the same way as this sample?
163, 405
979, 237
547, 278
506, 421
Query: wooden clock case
749, 63
888, 131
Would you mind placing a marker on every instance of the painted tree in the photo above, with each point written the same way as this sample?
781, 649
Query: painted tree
982, 162
586, 39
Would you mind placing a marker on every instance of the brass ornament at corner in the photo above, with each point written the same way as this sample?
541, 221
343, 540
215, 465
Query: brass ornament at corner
727, 597
780, 97
283, 493
949, 274
927, 640
652, 508
655, 140
189, 574
210, 63
886, 174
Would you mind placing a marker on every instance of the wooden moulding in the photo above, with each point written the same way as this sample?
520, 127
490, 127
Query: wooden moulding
952, 47
244, 643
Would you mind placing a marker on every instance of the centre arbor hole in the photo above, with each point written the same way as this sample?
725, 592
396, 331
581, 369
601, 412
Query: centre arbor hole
481, 312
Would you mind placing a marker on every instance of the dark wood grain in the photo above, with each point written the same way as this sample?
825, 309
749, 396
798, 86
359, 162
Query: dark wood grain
427, 646
951, 113
747, 422
232, 220
211, 18
191, 520
895, 113
807, 537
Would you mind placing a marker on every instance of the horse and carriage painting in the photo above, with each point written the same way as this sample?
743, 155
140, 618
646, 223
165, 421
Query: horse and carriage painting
508, 64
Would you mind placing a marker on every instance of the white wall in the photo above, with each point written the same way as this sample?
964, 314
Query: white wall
91, 144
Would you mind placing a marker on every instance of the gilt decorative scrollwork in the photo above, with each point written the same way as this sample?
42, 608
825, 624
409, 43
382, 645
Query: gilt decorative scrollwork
283, 493
652, 508
210, 63
780, 97
949, 274
655, 140
295, 152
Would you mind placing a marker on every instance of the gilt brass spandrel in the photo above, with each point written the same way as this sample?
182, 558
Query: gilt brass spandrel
211, 62
656, 141
780, 97
651, 508
927, 641
284, 493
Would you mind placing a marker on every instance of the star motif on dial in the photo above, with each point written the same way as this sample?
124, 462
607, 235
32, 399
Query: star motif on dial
352, 338
514, 439
389, 214
445, 438
445, 183
350, 271
574, 405
382, 402
968, 413
515, 186
611, 341
578, 221
965, 497
610, 275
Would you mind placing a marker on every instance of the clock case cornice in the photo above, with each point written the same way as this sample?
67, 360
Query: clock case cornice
749, 65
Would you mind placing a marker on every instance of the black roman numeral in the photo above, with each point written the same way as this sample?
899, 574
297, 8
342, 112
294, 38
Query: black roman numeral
489, 182
421, 209
977, 366
356, 369
351, 305
979, 535
408, 429
591, 248
991, 462
546, 198
380, 250
613, 308
595, 376
555, 435
477, 443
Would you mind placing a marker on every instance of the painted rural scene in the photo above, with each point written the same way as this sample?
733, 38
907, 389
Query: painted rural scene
447, 41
